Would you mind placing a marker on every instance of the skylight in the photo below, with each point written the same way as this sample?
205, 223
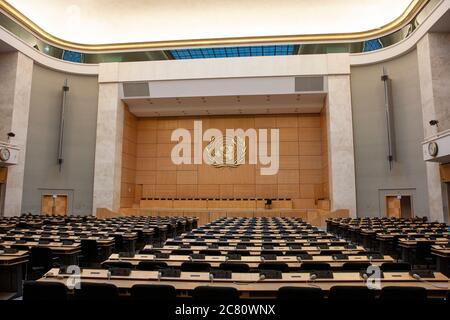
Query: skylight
228, 52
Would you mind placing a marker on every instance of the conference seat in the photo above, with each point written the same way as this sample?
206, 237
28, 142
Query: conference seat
181, 252
394, 293
195, 266
90, 252
96, 292
395, 267
355, 266
42, 260
235, 267
299, 295
44, 291
351, 293
117, 264
278, 266
314, 266
151, 265
219, 294
210, 252
153, 292
118, 243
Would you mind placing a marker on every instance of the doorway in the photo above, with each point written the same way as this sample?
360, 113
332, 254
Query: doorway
399, 206
54, 204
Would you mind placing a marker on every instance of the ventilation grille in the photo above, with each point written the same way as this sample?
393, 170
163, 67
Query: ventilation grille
136, 89
305, 84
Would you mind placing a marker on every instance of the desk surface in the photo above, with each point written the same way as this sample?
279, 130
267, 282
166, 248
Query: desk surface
249, 282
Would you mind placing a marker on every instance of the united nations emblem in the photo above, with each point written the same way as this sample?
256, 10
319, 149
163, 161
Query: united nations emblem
225, 151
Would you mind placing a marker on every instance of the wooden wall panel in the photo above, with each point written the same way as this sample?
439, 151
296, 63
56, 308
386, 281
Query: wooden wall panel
302, 176
129, 151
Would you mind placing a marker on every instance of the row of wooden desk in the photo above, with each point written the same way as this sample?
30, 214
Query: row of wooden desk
250, 285
64, 236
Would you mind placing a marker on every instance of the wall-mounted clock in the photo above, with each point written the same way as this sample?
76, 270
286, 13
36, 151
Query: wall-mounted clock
433, 149
4, 154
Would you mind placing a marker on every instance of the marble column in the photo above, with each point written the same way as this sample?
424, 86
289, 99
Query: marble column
108, 150
434, 78
16, 72
341, 158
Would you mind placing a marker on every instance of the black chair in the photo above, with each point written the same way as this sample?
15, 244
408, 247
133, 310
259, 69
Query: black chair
279, 266
44, 291
182, 252
117, 264
195, 266
355, 266
41, 261
243, 253
90, 252
118, 243
395, 267
235, 267
393, 293
151, 265
316, 266
96, 292
422, 253
299, 294
152, 292
149, 251
354, 293
211, 252
204, 293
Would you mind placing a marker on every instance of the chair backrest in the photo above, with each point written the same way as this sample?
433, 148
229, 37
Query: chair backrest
393, 293
204, 293
44, 291
299, 294
359, 293
355, 266
41, 257
118, 241
153, 292
211, 252
396, 266
182, 252
279, 266
235, 267
117, 264
89, 248
151, 265
315, 266
195, 266
97, 291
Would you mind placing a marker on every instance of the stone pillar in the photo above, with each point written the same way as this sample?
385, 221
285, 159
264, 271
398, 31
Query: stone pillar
108, 150
341, 158
16, 71
434, 77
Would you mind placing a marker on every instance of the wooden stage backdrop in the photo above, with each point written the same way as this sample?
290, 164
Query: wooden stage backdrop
148, 172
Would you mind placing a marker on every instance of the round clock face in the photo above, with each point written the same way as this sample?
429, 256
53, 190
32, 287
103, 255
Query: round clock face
433, 149
4, 154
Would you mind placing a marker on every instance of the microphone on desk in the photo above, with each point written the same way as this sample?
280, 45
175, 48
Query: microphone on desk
190, 258
262, 277
108, 274
312, 277
262, 259
211, 277
419, 278
159, 275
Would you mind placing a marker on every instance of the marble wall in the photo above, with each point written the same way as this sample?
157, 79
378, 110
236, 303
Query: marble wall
15, 77
434, 74
108, 152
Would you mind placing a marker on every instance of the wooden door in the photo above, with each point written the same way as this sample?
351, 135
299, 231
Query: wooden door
54, 204
393, 206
